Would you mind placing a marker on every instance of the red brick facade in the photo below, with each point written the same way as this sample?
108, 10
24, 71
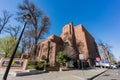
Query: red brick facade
86, 44
79, 41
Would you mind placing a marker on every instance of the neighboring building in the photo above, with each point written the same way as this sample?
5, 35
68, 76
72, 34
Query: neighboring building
105, 54
74, 41
102, 52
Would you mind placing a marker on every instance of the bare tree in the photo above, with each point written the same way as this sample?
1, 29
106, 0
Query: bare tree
4, 20
112, 58
26, 41
13, 31
106, 51
39, 22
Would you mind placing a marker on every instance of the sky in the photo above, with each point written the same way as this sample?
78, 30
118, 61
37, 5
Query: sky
100, 17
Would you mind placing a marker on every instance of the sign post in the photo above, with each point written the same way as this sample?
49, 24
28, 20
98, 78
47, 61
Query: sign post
98, 61
81, 57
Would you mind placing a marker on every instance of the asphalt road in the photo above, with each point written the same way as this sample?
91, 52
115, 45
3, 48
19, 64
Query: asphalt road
111, 74
64, 75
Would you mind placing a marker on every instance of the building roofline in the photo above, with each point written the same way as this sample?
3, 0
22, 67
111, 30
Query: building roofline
83, 28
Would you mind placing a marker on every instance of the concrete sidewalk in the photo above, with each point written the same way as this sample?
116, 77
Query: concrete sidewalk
65, 75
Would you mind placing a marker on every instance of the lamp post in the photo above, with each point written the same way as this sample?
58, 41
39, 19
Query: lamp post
27, 16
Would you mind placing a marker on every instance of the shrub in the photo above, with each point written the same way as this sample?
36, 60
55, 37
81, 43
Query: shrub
40, 65
31, 64
31, 67
62, 57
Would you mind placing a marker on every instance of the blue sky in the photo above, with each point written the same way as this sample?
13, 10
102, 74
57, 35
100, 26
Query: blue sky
100, 17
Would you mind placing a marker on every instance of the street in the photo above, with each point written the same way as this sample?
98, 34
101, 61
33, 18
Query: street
111, 74
65, 75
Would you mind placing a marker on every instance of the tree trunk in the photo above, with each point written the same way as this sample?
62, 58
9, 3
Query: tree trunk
35, 47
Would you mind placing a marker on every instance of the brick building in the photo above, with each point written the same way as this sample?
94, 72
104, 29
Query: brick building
86, 44
78, 40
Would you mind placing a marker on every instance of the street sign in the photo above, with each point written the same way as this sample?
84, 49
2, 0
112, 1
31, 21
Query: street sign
97, 59
81, 57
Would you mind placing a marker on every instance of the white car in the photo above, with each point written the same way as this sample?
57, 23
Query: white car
113, 66
105, 64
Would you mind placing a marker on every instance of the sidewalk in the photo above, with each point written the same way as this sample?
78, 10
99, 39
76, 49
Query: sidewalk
65, 75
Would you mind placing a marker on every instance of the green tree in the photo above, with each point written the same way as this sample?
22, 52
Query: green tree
1, 54
7, 45
62, 57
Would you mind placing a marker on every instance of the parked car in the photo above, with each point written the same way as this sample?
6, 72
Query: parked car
113, 66
103, 63
106, 64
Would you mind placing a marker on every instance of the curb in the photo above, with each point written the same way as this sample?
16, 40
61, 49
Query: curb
96, 75
28, 73
19, 73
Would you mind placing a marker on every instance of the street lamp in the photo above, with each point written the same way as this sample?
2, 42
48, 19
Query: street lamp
28, 17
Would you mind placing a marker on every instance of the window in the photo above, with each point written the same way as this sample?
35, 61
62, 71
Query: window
66, 44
